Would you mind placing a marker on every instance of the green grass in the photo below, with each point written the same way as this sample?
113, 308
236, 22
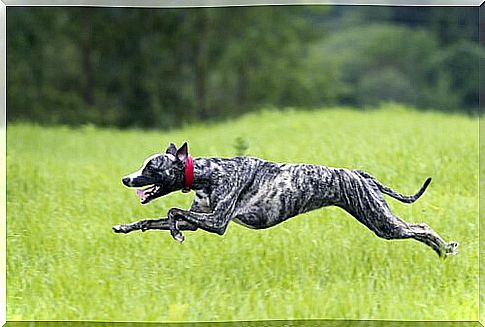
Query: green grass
64, 194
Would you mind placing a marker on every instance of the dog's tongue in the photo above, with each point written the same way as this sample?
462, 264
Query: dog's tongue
140, 193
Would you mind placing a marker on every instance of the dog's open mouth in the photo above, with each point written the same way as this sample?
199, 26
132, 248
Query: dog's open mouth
149, 193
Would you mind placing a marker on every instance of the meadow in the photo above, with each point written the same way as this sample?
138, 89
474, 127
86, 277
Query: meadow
64, 194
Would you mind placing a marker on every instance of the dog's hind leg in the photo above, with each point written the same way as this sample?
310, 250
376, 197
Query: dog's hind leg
427, 235
365, 202
152, 224
388, 226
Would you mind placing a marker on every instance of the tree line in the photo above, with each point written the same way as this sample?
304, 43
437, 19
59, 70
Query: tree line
163, 68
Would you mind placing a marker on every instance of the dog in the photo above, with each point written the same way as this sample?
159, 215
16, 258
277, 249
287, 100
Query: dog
259, 194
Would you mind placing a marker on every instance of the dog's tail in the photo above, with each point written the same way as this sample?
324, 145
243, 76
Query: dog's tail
398, 196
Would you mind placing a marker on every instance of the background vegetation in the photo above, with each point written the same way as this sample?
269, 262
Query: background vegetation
166, 67
64, 194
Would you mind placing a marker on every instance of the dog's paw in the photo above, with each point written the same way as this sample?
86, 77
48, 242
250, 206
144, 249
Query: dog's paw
120, 229
179, 237
451, 248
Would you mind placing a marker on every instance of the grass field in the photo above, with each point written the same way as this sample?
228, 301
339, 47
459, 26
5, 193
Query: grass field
64, 194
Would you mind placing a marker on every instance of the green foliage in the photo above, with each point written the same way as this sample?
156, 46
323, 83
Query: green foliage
389, 63
162, 68
240, 146
456, 67
64, 193
158, 68
384, 84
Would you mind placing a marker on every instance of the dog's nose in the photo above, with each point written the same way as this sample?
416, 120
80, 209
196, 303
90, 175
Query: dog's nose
126, 181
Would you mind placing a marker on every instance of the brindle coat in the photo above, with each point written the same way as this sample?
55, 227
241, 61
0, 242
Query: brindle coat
260, 194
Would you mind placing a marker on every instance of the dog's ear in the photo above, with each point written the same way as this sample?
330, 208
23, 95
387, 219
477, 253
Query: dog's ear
182, 152
172, 149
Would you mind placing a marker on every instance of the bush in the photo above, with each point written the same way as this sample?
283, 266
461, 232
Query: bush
454, 76
380, 63
387, 84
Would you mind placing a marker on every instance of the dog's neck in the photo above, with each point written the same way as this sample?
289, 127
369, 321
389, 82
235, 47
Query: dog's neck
202, 174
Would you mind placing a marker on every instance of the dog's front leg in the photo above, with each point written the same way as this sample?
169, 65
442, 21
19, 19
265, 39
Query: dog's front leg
151, 224
143, 225
174, 223
214, 222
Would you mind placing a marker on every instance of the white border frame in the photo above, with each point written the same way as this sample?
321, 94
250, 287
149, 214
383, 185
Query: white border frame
139, 3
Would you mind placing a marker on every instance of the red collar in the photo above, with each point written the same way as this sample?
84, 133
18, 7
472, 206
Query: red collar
189, 174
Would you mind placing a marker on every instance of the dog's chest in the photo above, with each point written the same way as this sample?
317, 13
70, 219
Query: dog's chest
202, 201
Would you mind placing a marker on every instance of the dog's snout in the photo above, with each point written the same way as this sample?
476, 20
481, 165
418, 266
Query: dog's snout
126, 181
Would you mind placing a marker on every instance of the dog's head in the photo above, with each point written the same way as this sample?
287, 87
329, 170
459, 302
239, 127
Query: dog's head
162, 173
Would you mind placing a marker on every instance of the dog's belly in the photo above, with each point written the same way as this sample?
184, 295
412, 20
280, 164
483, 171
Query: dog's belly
243, 221
273, 212
274, 200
